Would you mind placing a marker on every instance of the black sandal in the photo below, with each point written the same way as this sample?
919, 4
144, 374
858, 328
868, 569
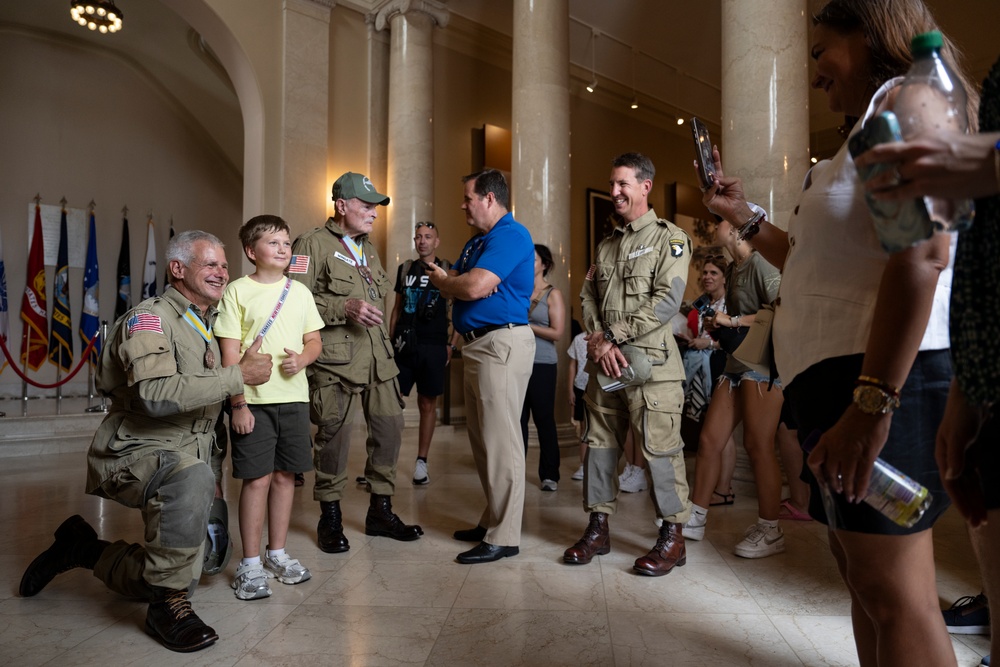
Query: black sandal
727, 499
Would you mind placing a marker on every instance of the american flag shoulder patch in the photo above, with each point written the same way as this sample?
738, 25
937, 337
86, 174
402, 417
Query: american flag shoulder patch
299, 264
140, 322
590, 272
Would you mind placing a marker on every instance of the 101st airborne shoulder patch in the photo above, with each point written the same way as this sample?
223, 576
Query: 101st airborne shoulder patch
676, 247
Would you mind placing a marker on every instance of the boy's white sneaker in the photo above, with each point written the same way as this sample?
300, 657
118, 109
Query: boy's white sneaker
286, 569
251, 582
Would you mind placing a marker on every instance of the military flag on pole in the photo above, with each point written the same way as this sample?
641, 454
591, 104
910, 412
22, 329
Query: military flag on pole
166, 271
149, 272
90, 314
124, 300
35, 337
61, 328
3, 308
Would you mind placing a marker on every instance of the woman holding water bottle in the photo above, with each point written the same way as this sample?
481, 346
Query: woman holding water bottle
861, 340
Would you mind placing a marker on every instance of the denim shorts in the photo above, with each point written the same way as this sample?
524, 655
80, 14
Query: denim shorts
748, 376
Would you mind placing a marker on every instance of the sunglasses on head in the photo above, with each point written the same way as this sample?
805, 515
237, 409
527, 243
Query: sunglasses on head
713, 258
429, 225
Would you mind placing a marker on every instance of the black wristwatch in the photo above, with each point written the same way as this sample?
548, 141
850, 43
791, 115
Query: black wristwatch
609, 335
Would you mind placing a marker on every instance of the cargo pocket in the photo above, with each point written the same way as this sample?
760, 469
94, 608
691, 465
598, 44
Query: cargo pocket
664, 402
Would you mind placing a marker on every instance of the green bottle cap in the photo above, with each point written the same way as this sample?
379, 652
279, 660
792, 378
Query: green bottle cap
926, 42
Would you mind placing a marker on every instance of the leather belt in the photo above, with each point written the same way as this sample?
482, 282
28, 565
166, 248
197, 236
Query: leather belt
470, 336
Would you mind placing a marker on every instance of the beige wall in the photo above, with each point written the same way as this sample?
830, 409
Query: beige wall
78, 121
159, 162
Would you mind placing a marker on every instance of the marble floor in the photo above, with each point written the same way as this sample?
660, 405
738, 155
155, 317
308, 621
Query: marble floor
391, 603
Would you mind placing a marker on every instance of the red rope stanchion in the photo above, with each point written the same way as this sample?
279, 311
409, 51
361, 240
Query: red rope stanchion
83, 360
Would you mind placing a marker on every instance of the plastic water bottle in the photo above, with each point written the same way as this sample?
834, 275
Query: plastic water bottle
932, 99
894, 494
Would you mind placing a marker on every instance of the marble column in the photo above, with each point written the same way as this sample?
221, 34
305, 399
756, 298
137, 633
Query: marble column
765, 111
410, 174
305, 76
540, 178
765, 100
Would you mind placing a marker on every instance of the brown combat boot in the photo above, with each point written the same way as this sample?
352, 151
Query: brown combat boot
171, 620
596, 541
330, 531
382, 521
668, 552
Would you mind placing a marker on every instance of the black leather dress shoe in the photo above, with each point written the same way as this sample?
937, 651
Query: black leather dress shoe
486, 553
471, 534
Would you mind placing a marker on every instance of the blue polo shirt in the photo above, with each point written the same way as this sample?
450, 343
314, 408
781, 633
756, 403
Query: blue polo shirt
508, 252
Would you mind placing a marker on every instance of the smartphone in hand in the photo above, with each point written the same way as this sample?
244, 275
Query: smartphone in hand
898, 224
703, 153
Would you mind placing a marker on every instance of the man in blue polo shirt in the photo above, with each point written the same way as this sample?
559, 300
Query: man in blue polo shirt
491, 284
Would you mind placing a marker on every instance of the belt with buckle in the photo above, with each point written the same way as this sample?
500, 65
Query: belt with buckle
470, 336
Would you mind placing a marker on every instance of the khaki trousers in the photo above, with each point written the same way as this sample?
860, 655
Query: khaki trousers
332, 408
653, 412
497, 370
174, 492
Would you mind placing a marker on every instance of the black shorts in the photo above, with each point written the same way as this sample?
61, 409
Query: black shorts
425, 367
280, 440
821, 394
578, 406
989, 459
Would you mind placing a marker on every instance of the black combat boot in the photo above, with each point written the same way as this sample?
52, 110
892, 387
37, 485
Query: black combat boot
171, 620
382, 521
331, 528
76, 545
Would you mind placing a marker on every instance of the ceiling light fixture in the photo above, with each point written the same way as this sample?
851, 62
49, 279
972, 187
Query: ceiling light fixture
99, 15
680, 121
592, 86
635, 100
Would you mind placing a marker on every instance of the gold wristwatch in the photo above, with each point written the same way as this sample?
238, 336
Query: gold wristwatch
874, 401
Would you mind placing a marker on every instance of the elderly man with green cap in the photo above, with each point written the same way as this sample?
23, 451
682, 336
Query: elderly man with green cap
340, 265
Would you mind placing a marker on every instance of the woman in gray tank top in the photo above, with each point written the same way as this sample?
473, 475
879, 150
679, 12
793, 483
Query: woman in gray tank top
547, 319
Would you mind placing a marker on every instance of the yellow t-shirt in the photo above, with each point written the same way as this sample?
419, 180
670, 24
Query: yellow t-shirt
243, 311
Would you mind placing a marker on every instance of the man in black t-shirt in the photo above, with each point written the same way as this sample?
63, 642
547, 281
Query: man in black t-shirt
419, 325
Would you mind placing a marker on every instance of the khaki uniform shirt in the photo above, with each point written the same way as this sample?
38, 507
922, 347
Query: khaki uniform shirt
162, 394
636, 286
352, 353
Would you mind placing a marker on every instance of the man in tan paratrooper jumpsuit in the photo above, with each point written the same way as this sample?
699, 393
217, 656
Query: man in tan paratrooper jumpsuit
162, 368
340, 265
629, 296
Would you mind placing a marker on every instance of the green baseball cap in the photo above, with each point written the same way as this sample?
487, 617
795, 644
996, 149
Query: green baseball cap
357, 186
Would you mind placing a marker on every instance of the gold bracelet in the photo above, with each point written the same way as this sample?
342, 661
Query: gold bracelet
875, 382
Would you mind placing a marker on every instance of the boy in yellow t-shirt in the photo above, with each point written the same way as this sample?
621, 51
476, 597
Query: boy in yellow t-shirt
269, 423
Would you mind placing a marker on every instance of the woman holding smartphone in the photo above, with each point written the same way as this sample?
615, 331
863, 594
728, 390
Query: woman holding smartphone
742, 395
861, 340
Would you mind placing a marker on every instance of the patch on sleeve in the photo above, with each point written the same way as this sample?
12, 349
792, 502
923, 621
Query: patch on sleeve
299, 264
140, 322
590, 272
676, 247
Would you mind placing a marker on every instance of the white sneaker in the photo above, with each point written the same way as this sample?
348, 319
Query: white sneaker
286, 569
578, 475
549, 485
760, 541
420, 473
694, 529
636, 482
251, 582
626, 474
